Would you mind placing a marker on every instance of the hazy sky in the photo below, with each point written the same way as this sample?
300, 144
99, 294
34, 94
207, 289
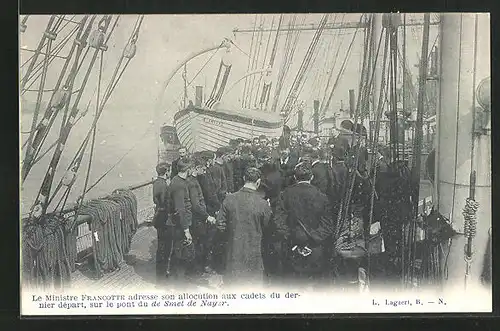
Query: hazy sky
165, 40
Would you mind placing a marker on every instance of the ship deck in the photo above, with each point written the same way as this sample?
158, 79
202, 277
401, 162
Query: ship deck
138, 267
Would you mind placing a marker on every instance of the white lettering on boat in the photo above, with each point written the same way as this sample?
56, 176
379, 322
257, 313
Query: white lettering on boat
212, 121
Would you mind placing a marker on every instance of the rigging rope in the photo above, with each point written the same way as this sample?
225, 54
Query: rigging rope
353, 173
255, 63
44, 192
263, 65
58, 100
41, 87
94, 131
243, 98
290, 47
50, 34
341, 71
471, 206
75, 164
57, 49
266, 89
292, 94
46, 34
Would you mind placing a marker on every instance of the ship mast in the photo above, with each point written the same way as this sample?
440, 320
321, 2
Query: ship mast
459, 150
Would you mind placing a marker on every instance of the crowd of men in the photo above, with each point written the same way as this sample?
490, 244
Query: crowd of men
266, 212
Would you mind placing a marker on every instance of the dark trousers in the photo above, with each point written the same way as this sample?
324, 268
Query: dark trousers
217, 254
202, 238
165, 236
180, 264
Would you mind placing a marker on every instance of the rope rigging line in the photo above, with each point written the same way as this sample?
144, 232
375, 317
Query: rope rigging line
49, 35
40, 92
329, 69
38, 50
94, 131
66, 126
471, 206
76, 162
111, 86
290, 47
199, 71
57, 48
352, 176
255, 61
266, 89
243, 98
62, 98
314, 84
263, 65
117, 162
292, 94
328, 61
373, 165
341, 71
59, 99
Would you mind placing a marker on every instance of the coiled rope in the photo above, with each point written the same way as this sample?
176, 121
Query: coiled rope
113, 224
45, 257
470, 218
49, 245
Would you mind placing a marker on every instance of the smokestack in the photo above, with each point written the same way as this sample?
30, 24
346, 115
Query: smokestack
300, 120
316, 116
352, 103
199, 96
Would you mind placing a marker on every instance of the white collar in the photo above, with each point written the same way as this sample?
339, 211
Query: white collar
304, 182
315, 162
250, 186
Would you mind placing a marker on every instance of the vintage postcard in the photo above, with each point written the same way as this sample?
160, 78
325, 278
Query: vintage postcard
255, 163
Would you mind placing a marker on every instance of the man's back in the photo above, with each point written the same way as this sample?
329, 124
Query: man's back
160, 193
321, 176
180, 201
209, 193
304, 203
198, 207
246, 215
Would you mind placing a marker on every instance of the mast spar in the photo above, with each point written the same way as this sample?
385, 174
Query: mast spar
459, 142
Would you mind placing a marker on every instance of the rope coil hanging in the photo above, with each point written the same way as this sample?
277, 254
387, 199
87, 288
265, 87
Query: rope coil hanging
470, 218
50, 246
113, 224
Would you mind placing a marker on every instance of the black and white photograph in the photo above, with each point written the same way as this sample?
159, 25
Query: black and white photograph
255, 163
